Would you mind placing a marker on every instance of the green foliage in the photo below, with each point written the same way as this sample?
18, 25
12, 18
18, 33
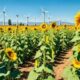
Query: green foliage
70, 73
44, 71
73, 72
34, 45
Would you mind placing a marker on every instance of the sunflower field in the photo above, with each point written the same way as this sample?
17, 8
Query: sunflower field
39, 47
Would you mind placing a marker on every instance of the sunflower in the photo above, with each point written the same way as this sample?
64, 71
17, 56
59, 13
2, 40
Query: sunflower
77, 19
53, 25
43, 27
76, 63
11, 54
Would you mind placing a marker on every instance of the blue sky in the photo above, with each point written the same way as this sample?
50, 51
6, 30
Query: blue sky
63, 10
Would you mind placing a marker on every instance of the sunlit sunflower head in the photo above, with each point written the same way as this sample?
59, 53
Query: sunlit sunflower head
76, 63
13, 57
11, 54
77, 19
43, 27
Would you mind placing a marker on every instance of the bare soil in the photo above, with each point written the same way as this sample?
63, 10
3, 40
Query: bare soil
25, 69
61, 62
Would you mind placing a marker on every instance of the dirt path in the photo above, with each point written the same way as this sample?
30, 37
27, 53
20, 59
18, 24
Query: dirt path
60, 63
25, 69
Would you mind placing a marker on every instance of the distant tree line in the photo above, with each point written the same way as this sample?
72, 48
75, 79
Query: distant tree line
10, 23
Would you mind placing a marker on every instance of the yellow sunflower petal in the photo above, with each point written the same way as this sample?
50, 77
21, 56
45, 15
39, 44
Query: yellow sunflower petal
13, 57
77, 19
11, 54
76, 63
7, 50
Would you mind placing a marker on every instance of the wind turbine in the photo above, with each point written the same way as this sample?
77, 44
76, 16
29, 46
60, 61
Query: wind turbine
44, 13
4, 12
27, 20
17, 16
35, 21
59, 20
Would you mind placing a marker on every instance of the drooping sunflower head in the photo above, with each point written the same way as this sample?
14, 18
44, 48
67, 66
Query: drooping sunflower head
11, 54
76, 63
77, 19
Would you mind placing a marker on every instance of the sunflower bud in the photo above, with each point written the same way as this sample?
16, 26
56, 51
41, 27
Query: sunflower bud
36, 63
47, 39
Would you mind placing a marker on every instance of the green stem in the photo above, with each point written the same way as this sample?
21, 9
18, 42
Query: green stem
44, 58
8, 69
44, 54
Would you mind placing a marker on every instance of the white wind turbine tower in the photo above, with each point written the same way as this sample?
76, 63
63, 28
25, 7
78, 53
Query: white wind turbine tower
59, 20
0, 13
4, 12
17, 16
44, 13
33, 20
27, 20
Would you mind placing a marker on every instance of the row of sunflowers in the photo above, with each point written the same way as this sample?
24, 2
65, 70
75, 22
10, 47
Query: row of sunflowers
72, 72
41, 27
41, 47
41, 44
